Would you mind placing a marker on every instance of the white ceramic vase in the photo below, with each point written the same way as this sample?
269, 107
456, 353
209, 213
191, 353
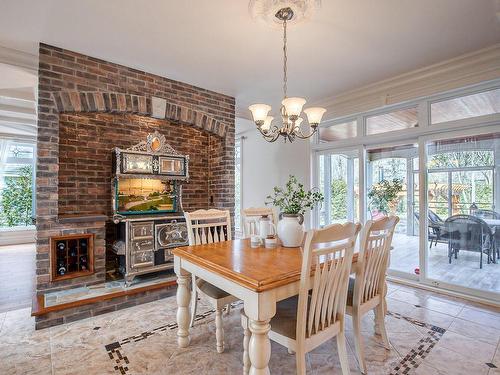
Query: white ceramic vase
290, 230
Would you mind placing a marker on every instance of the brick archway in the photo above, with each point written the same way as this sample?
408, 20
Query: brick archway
114, 102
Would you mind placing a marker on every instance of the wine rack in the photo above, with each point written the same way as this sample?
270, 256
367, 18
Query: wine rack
72, 256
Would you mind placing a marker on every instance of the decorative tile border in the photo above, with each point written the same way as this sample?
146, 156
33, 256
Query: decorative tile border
424, 346
408, 363
115, 349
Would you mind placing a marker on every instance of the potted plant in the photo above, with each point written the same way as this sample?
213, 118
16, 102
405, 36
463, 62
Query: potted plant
384, 196
293, 201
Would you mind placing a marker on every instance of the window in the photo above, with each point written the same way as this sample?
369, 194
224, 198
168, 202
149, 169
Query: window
337, 132
338, 181
17, 160
237, 184
480, 104
396, 120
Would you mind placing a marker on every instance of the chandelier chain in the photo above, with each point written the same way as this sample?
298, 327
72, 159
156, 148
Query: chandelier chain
285, 58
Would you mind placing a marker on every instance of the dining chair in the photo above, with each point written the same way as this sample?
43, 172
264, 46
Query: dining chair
317, 314
209, 226
250, 218
366, 291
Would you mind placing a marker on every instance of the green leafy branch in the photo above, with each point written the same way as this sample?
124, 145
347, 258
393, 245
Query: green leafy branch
293, 199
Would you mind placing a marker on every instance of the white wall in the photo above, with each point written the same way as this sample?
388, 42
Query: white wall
266, 165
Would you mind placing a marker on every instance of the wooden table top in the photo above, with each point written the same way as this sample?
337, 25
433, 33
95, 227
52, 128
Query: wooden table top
257, 269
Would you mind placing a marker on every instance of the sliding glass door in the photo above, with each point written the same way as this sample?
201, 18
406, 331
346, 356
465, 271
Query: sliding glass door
392, 188
463, 212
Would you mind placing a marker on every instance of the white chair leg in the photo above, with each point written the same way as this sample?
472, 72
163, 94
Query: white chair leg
228, 309
300, 357
219, 331
344, 359
380, 319
358, 342
246, 342
194, 302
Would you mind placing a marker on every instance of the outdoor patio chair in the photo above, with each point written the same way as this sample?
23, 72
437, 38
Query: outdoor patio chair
489, 214
469, 233
436, 228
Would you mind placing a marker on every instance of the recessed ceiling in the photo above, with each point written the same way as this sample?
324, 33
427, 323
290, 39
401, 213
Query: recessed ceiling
217, 45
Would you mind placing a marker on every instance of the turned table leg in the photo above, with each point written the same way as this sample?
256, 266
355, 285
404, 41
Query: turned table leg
183, 312
259, 347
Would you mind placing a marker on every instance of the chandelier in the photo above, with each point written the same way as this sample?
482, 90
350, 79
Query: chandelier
291, 108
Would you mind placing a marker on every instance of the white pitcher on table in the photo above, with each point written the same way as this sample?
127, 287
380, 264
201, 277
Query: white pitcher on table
262, 227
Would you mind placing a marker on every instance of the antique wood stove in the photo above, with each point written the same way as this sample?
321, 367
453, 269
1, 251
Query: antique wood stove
147, 205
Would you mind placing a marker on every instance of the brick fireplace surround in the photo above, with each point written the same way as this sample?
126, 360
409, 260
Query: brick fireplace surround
86, 107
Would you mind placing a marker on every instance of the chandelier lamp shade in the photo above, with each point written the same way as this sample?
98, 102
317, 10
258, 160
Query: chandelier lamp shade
291, 107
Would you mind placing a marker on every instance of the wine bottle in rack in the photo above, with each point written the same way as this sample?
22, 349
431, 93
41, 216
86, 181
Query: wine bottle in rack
61, 268
61, 248
83, 263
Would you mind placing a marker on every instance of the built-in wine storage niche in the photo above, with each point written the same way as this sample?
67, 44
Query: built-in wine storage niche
72, 256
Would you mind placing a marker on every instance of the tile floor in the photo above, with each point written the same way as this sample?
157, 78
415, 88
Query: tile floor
431, 334
17, 276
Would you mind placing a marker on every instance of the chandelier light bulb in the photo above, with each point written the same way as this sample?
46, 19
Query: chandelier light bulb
314, 115
293, 106
267, 123
259, 112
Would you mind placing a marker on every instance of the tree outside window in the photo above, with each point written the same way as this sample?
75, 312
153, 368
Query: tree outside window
16, 182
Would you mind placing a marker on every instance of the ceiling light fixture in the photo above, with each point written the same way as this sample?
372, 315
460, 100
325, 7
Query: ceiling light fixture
291, 108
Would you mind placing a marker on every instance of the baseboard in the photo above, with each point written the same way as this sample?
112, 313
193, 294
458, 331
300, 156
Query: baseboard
17, 236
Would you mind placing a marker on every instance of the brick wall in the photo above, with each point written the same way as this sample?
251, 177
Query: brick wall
85, 158
79, 95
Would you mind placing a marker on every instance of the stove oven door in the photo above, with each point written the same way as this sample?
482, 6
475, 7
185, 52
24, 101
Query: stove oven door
170, 235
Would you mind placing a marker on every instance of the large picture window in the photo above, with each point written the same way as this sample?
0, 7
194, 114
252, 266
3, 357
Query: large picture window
17, 161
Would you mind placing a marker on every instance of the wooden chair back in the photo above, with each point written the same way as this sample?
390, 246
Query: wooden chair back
328, 254
373, 259
250, 219
208, 226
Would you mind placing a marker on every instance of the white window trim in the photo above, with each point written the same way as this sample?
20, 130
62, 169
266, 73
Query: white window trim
240, 138
423, 113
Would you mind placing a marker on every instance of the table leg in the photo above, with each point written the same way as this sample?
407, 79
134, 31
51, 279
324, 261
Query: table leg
259, 347
183, 312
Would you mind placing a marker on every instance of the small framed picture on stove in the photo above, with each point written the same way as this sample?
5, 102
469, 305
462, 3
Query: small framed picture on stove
173, 166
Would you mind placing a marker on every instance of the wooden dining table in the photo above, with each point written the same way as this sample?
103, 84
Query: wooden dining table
259, 277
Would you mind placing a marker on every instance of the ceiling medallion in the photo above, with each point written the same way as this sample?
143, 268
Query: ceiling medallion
265, 10
291, 108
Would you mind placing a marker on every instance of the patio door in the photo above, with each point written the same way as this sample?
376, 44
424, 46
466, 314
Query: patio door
392, 188
463, 179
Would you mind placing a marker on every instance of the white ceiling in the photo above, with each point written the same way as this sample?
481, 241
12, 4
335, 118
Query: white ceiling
17, 101
216, 45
